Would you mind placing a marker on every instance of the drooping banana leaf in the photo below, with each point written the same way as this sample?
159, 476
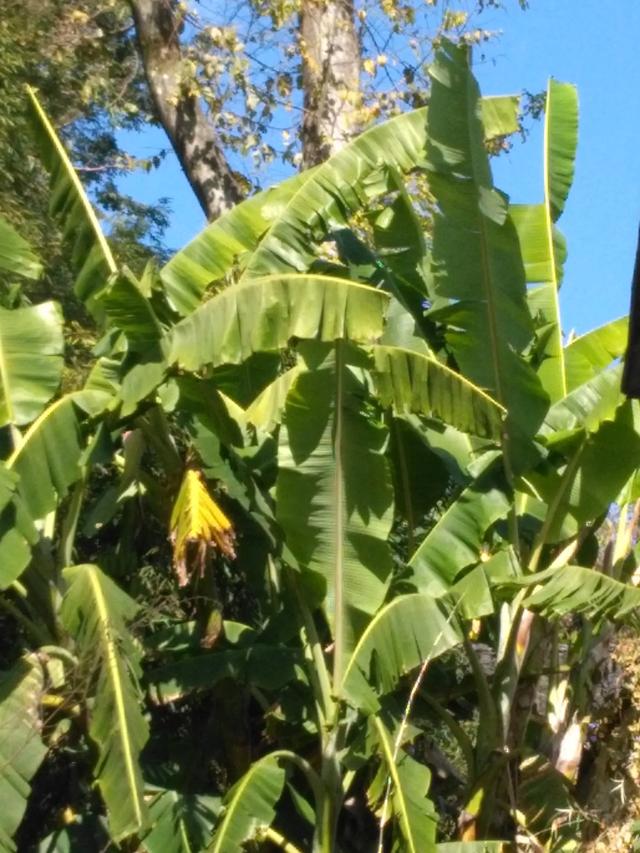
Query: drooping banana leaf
336, 189
455, 541
575, 589
417, 383
223, 244
266, 313
598, 467
31, 350
364, 169
476, 257
250, 805
587, 405
90, 255
334, 498
21, 747
410, 630
543, 246
96, 613
588, 354
316, 200
16, 255
407, 803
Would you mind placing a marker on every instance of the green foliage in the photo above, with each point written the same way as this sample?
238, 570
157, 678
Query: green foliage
381, 512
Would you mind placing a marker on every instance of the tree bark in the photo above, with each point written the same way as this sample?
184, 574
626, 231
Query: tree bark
188, 127
330, 76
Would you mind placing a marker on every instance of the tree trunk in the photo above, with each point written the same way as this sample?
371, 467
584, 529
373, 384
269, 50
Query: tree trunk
330, 76
188, 127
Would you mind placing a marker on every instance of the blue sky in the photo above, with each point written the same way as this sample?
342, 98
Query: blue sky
591, 43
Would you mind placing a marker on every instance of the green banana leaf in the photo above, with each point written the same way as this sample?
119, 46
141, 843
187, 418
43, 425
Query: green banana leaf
224, 244
249, 807
561, 138
334, 497
96, 612
335, 190
181, 823
413, 382
588, 354
266, 313
48, 460
408, 803
31, 350
90, 255
599, 465
16, 255
266, 410
404, 634
543, 247
587, 405
476, 257
21, 748
316, 200
575, 589
129, 311
455, 541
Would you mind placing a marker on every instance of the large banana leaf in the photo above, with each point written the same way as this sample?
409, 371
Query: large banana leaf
21, 747
365, 169
223, 244
334, 497
90, 255
16, 255
599, 465
250, 805
455, 541
96, 612
408, 803
405, 633
304, 208
48, 459
587, 405
266, 313
46, 463
575, 589
336, 189
588, 354
411, 382
418, 383
476, 256
542, 244
31, 349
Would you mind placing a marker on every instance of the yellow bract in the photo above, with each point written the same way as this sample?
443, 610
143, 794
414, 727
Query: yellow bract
197, 520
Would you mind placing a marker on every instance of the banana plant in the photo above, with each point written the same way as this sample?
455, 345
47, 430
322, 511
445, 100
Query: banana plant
334, 447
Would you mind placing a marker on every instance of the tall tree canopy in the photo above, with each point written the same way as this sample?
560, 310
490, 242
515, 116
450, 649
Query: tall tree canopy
235, 86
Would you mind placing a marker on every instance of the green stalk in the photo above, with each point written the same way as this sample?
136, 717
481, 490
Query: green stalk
70, 526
